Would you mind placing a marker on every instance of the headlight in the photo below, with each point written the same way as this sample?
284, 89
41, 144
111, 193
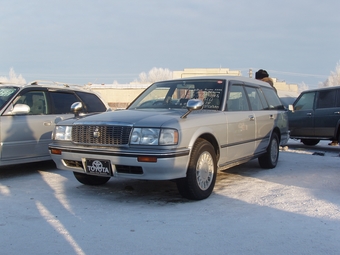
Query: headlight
63, 133
168, 137
154, 136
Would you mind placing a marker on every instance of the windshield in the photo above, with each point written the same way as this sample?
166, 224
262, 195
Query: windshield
6, 93
175, 94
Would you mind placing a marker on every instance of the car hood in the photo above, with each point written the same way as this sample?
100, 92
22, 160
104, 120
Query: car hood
140, 118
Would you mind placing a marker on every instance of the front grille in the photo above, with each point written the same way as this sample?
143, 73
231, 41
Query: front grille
101, 135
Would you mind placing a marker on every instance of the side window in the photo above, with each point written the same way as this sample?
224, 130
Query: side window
272, 99
237, 99
62, 101
305, 102
263, 99
36, 100
92, 102
254, 99
338, 98
326, 99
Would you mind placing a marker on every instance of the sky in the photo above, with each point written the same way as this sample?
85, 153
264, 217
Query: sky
102, 41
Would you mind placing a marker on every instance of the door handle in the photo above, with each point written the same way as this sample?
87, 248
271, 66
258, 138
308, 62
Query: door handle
309, 114
47, 123
271, 116
251, 117
336, 112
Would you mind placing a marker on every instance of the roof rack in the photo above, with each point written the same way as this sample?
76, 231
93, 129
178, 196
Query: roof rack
43, 82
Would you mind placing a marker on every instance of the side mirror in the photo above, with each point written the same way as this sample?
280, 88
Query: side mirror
193, 105
76, 108
20, 109
291, 108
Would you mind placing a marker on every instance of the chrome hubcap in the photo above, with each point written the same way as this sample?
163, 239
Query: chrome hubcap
205, 170
274, 150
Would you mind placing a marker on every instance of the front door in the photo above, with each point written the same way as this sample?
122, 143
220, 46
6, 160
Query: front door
301, 120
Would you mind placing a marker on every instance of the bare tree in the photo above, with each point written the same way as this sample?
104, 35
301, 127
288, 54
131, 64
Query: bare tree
333, 79
13, 78
155, 74
302, 87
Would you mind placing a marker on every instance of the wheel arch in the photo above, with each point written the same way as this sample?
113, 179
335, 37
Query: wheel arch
278, 132
211, 139
337, 131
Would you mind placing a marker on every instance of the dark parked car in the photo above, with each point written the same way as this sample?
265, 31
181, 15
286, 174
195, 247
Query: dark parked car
28, 114
315, 116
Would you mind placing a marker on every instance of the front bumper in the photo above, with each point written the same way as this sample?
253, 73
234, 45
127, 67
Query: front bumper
169, 164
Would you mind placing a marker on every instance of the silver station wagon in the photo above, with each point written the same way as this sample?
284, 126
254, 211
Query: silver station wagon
183, 130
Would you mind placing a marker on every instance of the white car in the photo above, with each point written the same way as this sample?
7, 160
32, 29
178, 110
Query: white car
182, 130
28, 114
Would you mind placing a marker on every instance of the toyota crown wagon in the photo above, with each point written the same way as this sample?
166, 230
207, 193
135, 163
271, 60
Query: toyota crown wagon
183, 130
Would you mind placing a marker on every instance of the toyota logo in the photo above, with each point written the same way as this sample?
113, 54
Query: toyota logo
96, 132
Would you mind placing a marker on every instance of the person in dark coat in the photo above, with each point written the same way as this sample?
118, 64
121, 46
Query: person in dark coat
263, 75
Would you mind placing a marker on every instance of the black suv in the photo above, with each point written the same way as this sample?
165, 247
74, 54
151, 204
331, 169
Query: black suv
315, 116
28, 114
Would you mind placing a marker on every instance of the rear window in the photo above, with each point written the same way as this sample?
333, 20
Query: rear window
326, 99
92, 102
272, 99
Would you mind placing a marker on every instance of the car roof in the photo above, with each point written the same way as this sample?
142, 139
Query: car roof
48, 84
320, 89
225, 77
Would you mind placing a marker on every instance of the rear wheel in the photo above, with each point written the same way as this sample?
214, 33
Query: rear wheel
310, 142
90, 179
201, 173
270, 158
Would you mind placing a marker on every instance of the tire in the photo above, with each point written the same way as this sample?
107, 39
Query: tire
90, 179
201, 173
270, 158
310, 142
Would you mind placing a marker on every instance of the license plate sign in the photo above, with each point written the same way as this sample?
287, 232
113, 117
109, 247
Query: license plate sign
98, 167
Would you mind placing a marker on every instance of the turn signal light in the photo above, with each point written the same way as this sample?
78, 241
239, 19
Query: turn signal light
56, 151
146, 159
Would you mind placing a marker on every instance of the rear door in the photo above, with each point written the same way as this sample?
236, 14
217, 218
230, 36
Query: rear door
327, 113
264, 117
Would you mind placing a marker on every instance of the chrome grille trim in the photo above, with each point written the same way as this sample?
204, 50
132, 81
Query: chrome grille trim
101, 135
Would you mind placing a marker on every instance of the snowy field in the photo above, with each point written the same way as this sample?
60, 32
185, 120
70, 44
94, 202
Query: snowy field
292, 209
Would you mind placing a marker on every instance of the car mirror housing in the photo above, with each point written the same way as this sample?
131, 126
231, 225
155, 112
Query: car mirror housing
20, 109
193, 105
291, 108
76, 108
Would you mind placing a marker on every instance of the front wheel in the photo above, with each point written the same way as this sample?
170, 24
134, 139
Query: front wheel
201, 173
270, 158
90, 179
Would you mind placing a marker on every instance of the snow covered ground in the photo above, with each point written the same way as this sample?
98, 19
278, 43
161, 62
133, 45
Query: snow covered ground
292, 209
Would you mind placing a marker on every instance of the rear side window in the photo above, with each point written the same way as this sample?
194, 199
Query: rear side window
92, 102
272, 99
326, 99
254, 99
62, 101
